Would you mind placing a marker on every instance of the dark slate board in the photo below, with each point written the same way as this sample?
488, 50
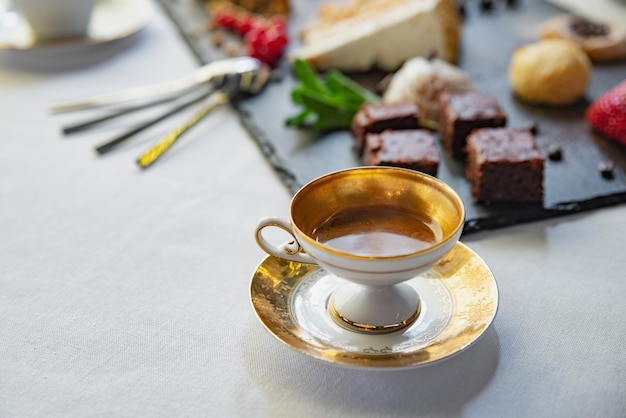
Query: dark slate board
571, 185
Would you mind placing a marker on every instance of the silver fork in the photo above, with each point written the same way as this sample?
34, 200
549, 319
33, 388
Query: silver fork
248, 83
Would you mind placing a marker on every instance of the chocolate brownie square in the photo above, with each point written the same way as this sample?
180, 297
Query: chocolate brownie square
413, 148
504, 165
378, 117
464, 112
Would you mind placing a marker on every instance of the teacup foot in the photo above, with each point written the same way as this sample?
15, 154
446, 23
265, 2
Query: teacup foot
374, 309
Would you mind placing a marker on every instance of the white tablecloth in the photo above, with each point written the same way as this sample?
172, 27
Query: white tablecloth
126, 293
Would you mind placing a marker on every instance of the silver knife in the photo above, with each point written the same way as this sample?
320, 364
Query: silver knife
158, 91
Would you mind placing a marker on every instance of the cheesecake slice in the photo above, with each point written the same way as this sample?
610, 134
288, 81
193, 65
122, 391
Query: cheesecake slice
382, 34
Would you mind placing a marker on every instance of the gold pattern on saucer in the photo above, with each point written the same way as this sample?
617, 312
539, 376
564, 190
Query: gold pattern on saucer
373, 329
461, 284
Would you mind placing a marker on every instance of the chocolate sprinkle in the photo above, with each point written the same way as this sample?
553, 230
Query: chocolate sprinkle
486, 5
606, 169
555, 153
462, 11
533, 128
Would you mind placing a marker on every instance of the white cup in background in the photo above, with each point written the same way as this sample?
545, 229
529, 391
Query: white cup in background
54, 19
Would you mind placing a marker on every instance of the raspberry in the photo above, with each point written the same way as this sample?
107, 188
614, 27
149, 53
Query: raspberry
245, 24
225, 19
265, 39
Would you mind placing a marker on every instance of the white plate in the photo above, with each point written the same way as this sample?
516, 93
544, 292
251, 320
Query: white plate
112, 20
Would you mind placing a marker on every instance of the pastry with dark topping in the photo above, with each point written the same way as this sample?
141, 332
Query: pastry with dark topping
602, 41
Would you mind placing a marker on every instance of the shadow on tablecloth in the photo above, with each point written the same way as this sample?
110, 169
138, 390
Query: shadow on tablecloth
296, 385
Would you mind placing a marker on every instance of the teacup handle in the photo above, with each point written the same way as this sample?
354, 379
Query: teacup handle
291, 250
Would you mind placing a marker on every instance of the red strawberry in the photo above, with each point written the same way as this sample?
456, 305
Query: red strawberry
607, 114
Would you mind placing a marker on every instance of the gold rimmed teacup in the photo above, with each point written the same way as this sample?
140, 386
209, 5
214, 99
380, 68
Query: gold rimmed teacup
374, 227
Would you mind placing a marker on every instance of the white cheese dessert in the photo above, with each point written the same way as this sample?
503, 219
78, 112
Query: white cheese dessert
423, 81
383, 34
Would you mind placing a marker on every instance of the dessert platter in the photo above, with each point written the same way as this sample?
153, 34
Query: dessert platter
573, 182
112, 20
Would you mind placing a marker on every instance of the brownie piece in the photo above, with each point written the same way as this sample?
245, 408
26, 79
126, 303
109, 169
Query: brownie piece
413, 148
464, 112
504, 165
377, 117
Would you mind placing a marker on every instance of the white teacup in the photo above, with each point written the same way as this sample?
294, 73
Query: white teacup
56, 19
375, 227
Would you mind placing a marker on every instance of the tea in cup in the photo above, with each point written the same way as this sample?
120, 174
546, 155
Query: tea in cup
375, 227
56, 19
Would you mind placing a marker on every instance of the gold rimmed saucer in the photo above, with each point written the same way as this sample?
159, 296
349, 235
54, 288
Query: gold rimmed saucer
459, 300
112, 20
